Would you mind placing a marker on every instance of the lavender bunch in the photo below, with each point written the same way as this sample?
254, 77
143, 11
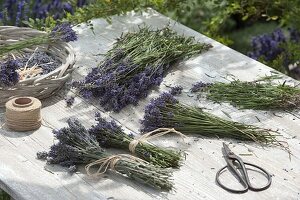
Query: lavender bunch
254, 95
130, 69
278, 51
62, 32
109, 134
76, 146
43, 60
8, 73
267, 46
176, 90
200, 86
166, 111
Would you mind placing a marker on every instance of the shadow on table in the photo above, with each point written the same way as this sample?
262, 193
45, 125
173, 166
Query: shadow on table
109, 180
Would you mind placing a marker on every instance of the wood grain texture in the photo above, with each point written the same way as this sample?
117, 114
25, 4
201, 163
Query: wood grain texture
25, 177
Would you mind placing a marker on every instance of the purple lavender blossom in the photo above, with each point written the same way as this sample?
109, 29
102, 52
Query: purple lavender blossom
115, 93
45, 61
13, 12
63, 32
157, 114
104, 125
267, 45
70, 101
76, 146
8, 74
176, 90
130, 69
200, 86
108, 133
42, 155
68, 151
294, 35
20, 8
81, 3
63, 154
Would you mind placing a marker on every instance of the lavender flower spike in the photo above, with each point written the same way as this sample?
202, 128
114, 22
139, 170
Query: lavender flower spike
8, 74
166, 111
199, 86
176, 90
63, 32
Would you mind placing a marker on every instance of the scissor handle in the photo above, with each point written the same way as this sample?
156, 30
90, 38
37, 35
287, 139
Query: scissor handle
269, 178
246, 187
244, 179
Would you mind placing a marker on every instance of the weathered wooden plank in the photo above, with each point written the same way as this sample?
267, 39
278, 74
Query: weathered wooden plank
13, 165
36, 173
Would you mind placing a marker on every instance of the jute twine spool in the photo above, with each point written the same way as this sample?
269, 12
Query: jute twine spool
23, 114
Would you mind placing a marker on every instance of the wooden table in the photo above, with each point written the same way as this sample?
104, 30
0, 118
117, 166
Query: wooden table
25, 177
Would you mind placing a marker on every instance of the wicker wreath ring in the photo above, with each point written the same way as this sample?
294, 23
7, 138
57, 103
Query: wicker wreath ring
41, 86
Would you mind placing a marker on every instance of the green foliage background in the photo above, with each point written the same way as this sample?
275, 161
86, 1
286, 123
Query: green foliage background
3, 195
231, 22
219, 19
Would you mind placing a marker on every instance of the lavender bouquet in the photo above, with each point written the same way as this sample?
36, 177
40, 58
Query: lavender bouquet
28, 65
8, 73
136, 63
252, 95
109, 134
62, 32
76, 146
166, 111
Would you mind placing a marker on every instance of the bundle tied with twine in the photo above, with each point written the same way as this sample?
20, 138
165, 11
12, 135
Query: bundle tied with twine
167, 111
77, 146
111, 135
110, 162
157, 133
23, 114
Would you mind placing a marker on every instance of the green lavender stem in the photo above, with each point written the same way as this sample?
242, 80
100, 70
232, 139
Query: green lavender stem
192, 120
158, 156
144, 173
19, 45
77, 146
159, 47
252, 95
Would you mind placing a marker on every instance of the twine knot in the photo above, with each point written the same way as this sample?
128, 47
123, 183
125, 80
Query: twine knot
151, 135
110, 163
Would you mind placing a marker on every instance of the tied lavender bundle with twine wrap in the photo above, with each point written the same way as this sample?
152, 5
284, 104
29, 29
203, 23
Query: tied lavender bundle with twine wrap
111, 135
167, 111
23, 114
77, 146
110, 162
152, 135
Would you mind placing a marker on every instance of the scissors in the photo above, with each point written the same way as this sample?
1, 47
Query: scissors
236, 165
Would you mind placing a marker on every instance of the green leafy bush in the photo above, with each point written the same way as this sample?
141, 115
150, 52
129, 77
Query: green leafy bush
4, 195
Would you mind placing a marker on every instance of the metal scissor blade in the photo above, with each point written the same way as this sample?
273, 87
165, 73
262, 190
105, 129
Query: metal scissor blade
227, 151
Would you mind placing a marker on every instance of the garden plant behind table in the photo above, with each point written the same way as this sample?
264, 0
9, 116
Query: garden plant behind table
228, 21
